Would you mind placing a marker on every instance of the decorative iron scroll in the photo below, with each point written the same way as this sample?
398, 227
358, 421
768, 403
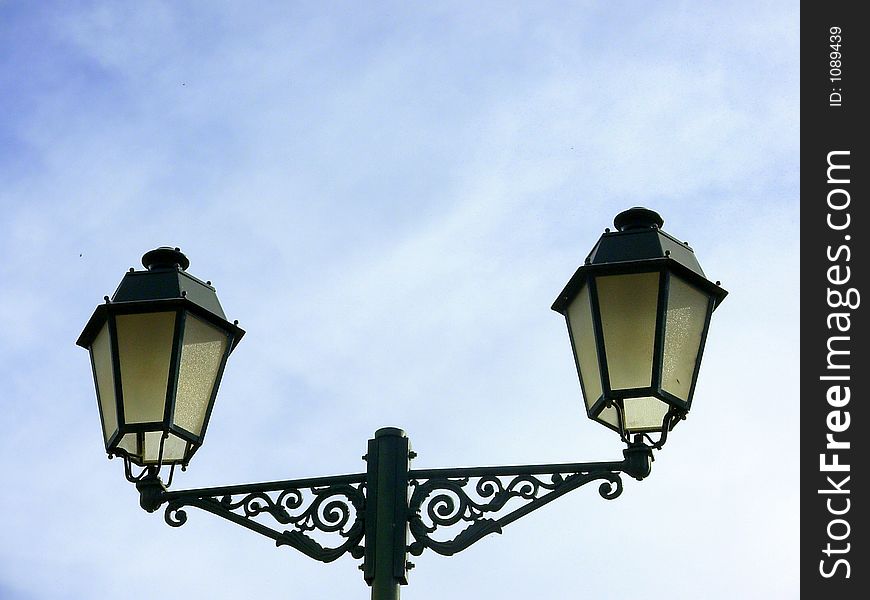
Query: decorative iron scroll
330, 509
446, 502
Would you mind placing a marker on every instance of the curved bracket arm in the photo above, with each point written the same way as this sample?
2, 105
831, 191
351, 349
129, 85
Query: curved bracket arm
326, 505
442, 498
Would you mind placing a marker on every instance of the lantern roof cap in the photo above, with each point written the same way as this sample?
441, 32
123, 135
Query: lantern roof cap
166, 278
640, 239
165, 282
638, 244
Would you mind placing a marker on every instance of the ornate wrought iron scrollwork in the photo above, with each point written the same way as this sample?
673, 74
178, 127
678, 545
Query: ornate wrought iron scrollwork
445, 502
448, 509
335, 509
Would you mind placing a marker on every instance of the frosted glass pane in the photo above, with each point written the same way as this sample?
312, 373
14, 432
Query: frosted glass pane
610, 416
145, 348
101, 354
173, 448
644, 414
203, 347
580, 322
684, 326
128, 443
628, 319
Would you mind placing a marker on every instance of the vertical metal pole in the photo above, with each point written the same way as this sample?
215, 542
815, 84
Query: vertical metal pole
386, 516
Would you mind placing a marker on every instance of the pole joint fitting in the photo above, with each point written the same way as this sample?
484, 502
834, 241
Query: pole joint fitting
151, 491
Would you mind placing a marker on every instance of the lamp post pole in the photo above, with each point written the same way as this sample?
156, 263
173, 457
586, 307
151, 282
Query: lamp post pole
386, 514
637, 312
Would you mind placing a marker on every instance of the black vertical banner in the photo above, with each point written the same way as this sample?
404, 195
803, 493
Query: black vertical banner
835, 341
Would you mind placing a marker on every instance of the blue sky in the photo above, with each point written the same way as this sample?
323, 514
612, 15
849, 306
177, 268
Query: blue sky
388, 196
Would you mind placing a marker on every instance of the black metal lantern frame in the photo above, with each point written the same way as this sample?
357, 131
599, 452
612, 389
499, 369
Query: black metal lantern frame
167, 293
638, 248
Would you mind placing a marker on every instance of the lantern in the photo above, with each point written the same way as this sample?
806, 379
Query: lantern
158, 349
638, 311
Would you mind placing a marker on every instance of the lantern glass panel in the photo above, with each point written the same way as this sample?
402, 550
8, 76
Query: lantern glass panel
628, 320
586, 351
610, 416
684, 328
128, 443
644, 414
101, 355
145, 351
203, 349
173, 448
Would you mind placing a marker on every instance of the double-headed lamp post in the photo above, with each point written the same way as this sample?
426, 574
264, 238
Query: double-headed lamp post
637, 311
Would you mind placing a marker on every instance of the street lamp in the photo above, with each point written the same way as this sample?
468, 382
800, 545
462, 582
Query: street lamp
637, 313
158, 349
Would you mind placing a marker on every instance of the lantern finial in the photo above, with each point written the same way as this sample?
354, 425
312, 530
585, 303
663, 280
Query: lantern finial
165, 257
638, 218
